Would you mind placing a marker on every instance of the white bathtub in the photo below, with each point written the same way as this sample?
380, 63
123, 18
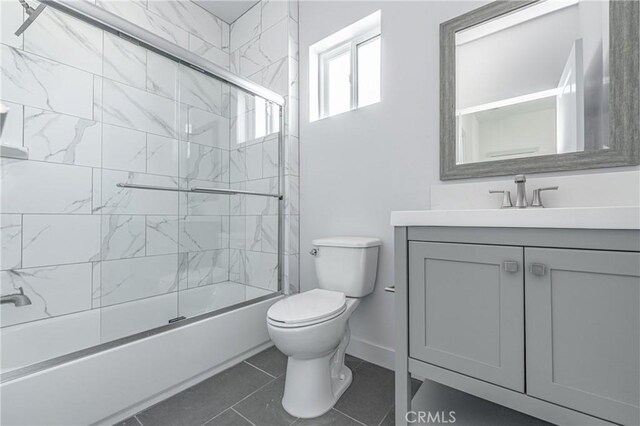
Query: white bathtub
108, 386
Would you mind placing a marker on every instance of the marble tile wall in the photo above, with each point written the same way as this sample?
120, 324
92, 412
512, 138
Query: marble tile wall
96, 110
264, 48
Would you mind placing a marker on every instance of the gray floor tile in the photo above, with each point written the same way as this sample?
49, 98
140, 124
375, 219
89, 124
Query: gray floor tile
370, 396
270, 360
207, 399
332, 418
352, 362
264, 407
229, 418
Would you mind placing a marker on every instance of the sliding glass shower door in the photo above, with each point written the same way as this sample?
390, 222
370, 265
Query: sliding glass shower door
150, 194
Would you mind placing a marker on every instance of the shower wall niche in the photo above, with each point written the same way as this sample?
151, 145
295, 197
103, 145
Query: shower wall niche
101, 262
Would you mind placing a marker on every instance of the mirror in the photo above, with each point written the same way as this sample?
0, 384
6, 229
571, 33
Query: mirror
536, 86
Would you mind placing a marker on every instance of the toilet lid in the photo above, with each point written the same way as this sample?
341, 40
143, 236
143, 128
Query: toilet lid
312, 305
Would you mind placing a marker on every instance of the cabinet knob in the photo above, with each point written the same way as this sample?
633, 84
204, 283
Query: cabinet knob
538, 269
510, 266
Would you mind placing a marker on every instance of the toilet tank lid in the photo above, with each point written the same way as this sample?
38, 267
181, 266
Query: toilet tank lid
348, 242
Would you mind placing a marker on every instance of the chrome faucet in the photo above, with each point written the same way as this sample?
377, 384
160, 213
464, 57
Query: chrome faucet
521, 193
18, 299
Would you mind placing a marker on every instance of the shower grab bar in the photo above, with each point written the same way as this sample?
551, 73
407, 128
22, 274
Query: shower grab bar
197, 189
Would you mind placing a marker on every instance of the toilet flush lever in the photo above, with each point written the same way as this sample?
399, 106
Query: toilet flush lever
314, 252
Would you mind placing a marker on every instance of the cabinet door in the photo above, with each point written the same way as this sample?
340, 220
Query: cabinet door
466, 310
583, 331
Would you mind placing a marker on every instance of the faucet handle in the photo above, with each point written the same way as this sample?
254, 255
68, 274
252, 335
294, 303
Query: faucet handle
506, 198
520, 178
537, 199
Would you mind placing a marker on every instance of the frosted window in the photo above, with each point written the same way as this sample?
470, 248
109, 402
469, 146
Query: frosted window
369, 72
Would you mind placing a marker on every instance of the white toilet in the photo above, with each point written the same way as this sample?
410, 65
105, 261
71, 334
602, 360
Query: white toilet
312, 329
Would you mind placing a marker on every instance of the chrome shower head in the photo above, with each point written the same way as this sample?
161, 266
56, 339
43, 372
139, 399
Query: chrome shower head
32, 14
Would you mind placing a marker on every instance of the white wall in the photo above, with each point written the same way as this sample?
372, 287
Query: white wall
359, 166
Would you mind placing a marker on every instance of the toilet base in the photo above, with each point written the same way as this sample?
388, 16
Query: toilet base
313, 386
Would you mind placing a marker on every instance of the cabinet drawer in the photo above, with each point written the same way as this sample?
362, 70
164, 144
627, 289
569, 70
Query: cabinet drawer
466, 310
583, 331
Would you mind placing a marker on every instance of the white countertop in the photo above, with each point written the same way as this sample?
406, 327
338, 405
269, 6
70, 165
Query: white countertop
576, 218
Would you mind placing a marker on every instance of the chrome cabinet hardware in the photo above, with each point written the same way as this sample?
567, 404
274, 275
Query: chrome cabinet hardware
538, 269
510, 266
537, 199
390, 289
314, 252
506, 198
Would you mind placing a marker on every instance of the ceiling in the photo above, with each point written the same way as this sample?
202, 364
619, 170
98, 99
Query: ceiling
227, 10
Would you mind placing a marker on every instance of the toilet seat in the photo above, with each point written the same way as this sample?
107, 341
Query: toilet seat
308, 308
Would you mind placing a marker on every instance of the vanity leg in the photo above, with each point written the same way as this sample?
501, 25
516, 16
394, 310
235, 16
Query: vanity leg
402, 376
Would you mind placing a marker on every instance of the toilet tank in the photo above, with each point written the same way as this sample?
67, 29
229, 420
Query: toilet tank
347, 264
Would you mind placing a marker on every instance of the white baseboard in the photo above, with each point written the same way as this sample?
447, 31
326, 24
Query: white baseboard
375, 354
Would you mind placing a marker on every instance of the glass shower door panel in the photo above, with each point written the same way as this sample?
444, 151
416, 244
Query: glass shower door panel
141, 264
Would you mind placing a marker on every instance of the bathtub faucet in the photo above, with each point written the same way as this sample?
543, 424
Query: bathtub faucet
18, 299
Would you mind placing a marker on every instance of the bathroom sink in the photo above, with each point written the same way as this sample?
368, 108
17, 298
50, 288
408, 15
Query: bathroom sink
578, 217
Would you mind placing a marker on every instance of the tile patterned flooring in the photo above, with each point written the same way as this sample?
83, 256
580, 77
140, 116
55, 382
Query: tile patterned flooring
250, 394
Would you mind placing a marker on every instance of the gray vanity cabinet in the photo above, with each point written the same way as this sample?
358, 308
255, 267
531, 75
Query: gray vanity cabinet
467, 310
583, 330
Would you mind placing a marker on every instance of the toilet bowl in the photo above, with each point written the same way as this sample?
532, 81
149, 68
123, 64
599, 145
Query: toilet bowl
312, 328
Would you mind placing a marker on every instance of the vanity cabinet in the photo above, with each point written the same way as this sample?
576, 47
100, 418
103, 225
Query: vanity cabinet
466, 309
544, 321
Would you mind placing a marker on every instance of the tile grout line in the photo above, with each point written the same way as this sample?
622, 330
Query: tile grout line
259, 369
352, 418
386, 415
240, 414
137, 419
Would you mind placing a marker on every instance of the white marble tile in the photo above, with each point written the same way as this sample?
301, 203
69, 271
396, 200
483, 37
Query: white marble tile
53, 290
208, 267
123, 149
11, 16
291, 234
205, 204
200, 90
225, 37
294, 8
162, 235
292, 156
208, 51
293, 81
162, 155
10, 241
254, 161
201, 162
291, 273
294, 45
269, 234
273, 11
255, 205
245, 28
275, 76
262, 270
137, 316
192, 18
35, 81
270, 158
97, 98
38, 187
60, 138
237, 266
238, 165
198, 233
292, 195
130, 279
207, 128
136, 109
96, 282
137, 14
124, 61
137, 201
238, 232
200, 300
162, 75
62, 38
291, 117
234, 62
96, 190
271, 46
123, 236
42, 237
253, 233
12, 133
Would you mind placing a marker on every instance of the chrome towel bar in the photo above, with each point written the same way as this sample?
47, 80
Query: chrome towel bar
198, 189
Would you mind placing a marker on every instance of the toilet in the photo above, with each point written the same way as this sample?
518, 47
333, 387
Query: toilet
312, 328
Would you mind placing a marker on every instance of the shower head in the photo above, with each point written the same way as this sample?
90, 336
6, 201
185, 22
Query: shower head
32, 14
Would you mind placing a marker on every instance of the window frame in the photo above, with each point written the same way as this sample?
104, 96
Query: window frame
333, 52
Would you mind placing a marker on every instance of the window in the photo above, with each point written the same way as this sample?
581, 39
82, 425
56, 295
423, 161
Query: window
345, 69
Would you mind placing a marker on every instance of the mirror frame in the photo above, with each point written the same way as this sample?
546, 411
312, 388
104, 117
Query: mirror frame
624, 98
